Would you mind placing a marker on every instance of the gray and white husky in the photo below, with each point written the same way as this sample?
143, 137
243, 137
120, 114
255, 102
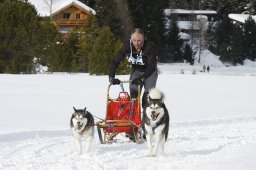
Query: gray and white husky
156, 122
82, 125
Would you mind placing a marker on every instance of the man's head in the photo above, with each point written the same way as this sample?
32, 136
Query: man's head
137, 38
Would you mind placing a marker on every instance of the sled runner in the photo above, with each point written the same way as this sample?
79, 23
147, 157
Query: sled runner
122, 116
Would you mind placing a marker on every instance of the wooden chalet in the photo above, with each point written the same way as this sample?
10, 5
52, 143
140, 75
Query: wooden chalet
69, 16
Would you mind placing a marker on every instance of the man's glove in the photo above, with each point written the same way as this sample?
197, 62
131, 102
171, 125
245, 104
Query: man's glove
137, 81
114, 81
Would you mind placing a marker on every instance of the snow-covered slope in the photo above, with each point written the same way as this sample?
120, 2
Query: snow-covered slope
212, 126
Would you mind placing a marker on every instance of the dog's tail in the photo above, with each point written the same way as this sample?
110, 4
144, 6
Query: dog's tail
155, 94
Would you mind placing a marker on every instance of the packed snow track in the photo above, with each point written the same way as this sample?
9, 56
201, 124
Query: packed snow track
191, 145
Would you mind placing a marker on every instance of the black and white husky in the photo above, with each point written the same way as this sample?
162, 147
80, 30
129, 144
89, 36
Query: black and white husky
82, 125
156, 122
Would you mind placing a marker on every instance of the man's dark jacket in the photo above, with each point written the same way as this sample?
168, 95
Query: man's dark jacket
149, 57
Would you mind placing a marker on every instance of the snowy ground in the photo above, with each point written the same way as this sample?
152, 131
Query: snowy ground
212, 127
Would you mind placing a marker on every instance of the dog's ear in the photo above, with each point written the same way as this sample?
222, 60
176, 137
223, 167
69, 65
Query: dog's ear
85, 110
74, 109
162, 97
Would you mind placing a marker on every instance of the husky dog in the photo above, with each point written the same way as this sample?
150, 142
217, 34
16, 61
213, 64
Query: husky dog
156, 122
82, 125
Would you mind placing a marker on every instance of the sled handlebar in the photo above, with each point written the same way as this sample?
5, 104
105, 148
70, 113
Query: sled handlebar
121, 84
126, 81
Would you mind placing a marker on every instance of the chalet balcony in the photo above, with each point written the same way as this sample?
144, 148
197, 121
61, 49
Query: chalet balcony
69, 22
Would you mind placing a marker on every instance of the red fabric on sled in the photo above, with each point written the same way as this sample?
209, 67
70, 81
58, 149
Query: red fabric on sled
123, 109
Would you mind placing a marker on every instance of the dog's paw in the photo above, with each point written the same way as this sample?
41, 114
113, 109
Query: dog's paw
151, 155
154, 152
150, 152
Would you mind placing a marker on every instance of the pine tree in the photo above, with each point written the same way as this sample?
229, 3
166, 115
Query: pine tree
175, 53
89, 3
194, 4
253, 7
223, 36
149, 15
105, 47
64, 58
25, 39
236, 47
18, 31
48, 42
250, 39
188, 54
106, 15
209, 38
179, 4
86, 42
71, 50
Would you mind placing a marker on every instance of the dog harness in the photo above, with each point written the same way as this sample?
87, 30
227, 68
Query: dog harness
85, 128
154, 128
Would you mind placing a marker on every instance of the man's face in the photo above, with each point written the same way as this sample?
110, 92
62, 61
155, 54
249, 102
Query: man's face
137, 40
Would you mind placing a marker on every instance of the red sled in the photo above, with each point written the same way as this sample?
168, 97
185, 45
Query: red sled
122, 116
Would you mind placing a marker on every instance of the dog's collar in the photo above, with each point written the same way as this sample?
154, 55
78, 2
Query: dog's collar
87, 127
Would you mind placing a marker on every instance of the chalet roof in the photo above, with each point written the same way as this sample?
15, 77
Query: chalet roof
43, 7
168, 12
241, 17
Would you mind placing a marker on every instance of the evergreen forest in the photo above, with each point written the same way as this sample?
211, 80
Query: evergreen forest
28, 40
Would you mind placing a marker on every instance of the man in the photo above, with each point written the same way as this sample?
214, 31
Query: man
141, 54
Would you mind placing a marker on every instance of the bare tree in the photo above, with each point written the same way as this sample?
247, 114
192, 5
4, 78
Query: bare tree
202, 23
125, 17
49, 4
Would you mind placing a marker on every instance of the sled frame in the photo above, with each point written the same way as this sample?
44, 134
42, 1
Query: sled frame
109, 136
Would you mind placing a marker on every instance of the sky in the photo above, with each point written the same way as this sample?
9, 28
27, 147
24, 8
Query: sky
212, 120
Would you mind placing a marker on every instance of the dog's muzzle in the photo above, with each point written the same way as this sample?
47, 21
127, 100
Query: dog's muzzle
79, 126
154, 115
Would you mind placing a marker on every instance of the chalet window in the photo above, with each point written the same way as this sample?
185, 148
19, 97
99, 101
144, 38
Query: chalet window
64, 29
77, 16
66, 15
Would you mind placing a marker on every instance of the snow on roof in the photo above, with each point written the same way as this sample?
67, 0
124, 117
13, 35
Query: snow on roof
43, 7
185, 11
241, 17
184, 36
198, 17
